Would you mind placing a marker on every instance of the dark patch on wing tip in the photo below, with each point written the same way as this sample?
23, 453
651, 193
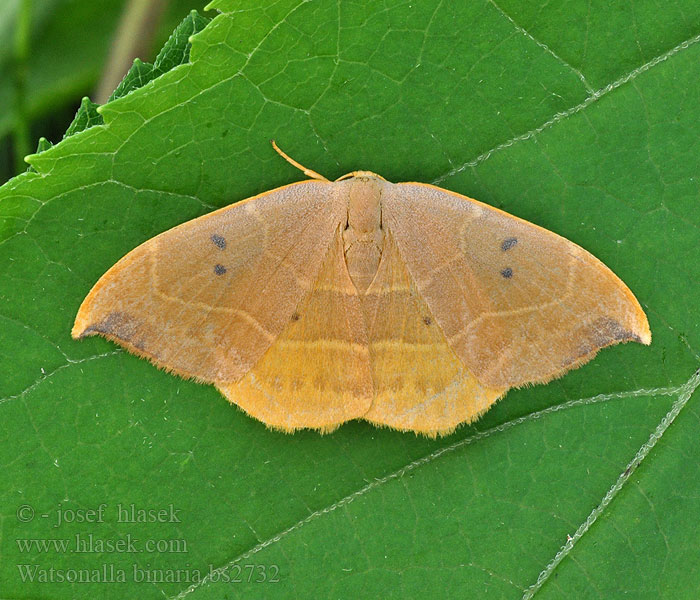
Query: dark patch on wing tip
508, 243
219, 241
507, 272
296, 316
606, 330
602, 332
120, 325
219, 269
427, 320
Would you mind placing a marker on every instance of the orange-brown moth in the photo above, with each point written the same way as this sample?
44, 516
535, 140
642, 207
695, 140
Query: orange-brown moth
323, 301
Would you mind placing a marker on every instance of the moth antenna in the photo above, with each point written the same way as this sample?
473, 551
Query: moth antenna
299, 166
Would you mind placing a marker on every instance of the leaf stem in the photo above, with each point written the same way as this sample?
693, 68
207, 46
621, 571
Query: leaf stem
22, 44
134, 35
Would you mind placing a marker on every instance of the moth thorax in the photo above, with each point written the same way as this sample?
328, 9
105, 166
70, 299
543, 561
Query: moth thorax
363, 237
365, 204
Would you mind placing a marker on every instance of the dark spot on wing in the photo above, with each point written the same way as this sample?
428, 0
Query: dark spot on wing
507, 272
296, 316
219, 241
427, 320
219, 269
508, 243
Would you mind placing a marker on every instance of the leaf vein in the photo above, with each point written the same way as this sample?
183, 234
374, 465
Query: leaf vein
560, 116
684, 393
544, 46
425, 460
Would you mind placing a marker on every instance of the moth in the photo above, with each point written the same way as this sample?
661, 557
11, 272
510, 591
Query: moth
321, 301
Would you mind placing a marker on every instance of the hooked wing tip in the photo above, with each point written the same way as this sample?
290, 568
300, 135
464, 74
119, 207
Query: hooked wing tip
79, 327
641, 332
644, 336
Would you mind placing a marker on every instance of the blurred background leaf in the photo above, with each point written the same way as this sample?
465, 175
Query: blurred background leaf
583, 120
69, 43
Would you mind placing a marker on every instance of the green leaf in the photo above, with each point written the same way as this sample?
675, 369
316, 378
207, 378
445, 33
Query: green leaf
584, 123
87, 116
44, 144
